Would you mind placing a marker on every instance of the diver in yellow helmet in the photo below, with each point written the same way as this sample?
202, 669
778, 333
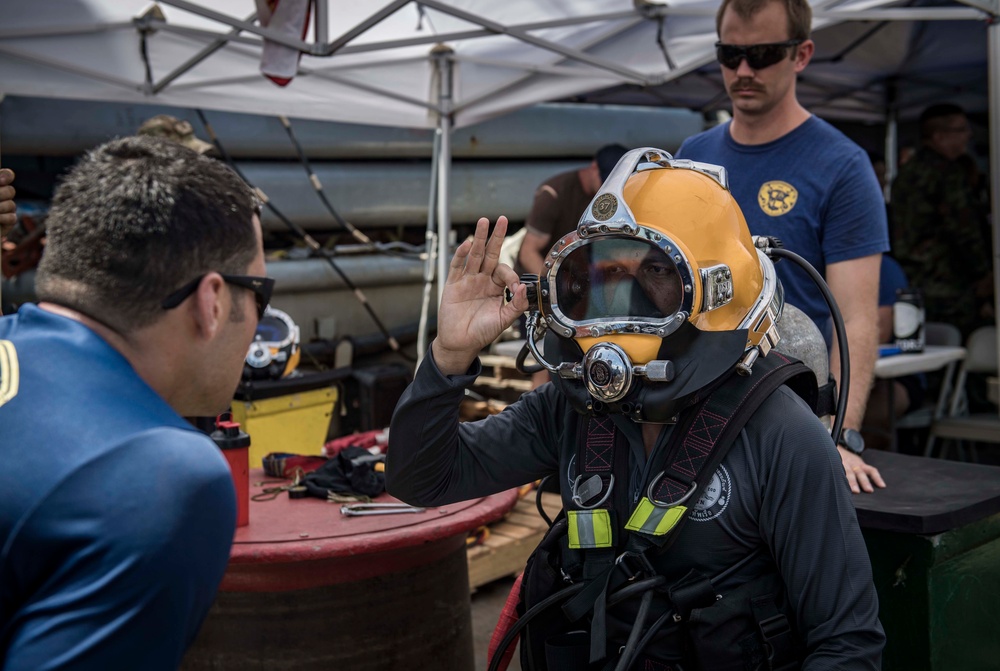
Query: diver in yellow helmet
658, 292
707, 520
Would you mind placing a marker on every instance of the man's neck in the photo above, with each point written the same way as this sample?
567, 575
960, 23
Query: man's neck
763, 128
147, 361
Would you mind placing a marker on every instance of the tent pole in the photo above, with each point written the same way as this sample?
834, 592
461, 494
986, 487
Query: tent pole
993, 60
891, 141
322, 23
443, 62
430, 245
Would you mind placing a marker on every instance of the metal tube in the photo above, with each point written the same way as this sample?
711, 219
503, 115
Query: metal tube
993, 50
891, 154
197, 58
430, 240
322, 23
444, 71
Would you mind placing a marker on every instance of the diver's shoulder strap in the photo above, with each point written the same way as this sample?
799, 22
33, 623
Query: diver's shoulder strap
702, 438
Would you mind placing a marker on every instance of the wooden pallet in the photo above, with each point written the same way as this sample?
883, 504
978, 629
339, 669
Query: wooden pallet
511, 540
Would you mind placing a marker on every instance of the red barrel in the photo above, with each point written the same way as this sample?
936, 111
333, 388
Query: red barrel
311, 589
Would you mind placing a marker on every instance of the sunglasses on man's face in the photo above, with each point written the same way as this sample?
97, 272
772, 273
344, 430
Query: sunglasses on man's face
758, 56
260, 286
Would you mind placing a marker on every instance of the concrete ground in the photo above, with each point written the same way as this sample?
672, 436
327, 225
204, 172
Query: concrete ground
487, 602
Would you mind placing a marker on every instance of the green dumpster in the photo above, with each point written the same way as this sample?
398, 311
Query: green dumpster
933, 536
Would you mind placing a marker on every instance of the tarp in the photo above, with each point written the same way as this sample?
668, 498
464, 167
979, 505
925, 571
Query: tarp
374, 61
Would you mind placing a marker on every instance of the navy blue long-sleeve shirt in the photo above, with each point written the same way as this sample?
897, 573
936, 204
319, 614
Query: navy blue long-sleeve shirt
780, 492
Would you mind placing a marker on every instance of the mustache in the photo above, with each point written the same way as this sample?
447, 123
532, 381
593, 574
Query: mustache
745, 84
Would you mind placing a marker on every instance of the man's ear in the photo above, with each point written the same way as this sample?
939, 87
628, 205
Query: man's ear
210, 305
803, 54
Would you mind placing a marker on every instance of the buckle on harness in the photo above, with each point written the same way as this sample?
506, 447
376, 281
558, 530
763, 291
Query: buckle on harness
584, 493
634, 564
656, 481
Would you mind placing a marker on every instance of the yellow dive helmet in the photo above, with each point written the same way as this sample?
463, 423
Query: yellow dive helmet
274, 352
660, 283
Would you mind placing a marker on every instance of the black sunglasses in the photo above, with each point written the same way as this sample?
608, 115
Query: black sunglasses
260, 286
759, 56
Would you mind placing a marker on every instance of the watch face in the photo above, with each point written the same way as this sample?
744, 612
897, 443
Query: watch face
853, 441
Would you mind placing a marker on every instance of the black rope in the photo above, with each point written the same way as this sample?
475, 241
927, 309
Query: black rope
144, 52
308, 239
662, 43
356, 233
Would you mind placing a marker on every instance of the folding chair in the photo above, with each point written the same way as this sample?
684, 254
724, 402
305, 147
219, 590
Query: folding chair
947, 335
959, 424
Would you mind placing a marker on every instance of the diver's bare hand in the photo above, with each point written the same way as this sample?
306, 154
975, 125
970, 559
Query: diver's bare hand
473, 311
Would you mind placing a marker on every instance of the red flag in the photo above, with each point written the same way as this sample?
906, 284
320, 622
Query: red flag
291, 17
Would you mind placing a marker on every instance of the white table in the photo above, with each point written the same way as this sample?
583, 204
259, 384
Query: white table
934, 357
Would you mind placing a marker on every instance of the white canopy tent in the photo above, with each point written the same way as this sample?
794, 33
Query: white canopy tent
428, 64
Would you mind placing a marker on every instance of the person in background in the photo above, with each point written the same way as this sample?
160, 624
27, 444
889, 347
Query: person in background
799, 179
8, 213
940, 224
558, 204
8, 209
908, 391
116, 515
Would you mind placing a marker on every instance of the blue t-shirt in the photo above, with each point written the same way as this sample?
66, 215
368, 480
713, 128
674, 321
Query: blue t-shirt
116, 516
814, 189
891, 277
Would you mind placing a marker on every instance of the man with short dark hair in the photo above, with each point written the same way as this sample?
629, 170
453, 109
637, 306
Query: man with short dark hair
558, 204
940, 222
116, 515
799, 179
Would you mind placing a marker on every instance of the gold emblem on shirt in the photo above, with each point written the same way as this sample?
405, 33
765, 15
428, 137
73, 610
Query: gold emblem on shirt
10, 375
777, 198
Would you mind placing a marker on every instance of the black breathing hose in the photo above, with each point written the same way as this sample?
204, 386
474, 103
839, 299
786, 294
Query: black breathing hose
838, 325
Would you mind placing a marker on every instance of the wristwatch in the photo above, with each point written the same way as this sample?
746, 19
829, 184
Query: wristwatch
852, 441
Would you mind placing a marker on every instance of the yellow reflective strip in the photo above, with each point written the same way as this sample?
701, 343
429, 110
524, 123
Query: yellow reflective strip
10, 373
574, 534
650, 519
589, 529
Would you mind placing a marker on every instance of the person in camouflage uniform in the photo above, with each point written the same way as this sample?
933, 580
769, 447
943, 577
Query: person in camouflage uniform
939, 222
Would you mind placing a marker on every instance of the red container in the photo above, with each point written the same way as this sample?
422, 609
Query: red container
235, 446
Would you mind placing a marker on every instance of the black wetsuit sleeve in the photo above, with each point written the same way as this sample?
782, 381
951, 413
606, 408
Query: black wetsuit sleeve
807, 519
433, 459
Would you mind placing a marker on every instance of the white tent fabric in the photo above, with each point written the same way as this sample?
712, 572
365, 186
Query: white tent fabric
379, 62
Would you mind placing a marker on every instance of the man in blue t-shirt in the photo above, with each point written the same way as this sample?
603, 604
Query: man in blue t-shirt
799, 179
116, 515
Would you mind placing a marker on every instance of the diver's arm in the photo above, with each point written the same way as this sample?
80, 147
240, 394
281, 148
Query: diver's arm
808, 522
433, 459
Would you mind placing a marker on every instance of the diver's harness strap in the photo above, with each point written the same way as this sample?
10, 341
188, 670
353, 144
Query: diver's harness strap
697, 446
